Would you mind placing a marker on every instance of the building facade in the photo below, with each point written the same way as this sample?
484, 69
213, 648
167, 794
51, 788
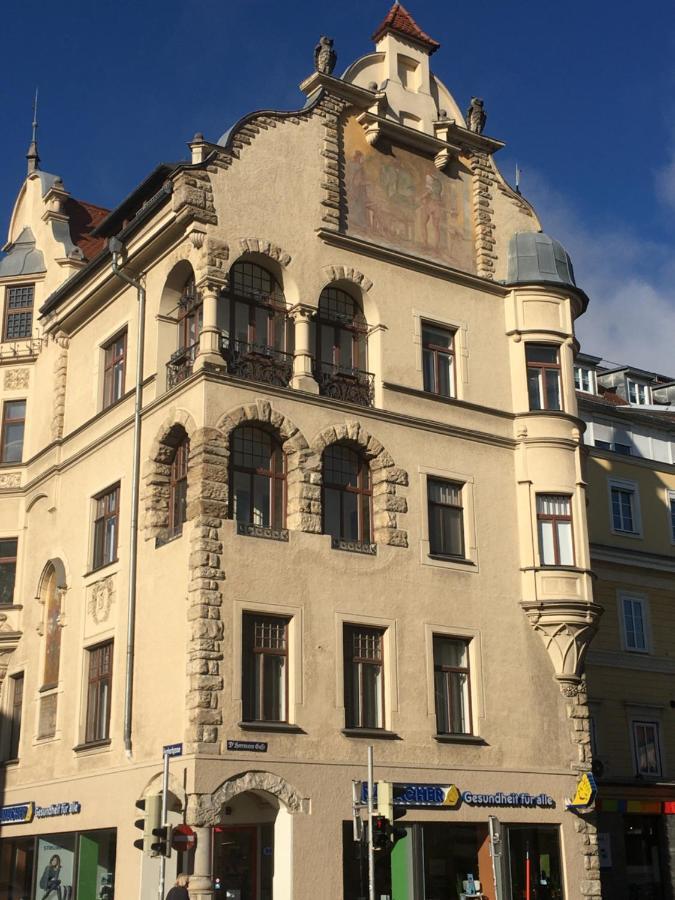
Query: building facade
341, 351
630, 438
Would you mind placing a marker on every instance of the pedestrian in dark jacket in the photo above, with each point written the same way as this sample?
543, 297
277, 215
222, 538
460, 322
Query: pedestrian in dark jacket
180, 889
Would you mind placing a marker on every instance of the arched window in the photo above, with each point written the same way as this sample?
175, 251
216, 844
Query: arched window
341, 348
178, 487
189, 318
257, 479
347, 495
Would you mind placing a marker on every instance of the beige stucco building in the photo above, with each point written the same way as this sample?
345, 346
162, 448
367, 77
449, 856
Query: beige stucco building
362, 516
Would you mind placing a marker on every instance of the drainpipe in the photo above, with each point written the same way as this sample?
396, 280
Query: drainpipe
116, 248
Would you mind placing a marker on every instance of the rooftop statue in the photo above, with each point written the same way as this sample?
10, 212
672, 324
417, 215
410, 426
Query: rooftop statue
324, 56
476, 116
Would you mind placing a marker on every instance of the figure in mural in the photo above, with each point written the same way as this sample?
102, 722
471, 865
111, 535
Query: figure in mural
476, 117
324, 56
50, 882
432, 208
358, 198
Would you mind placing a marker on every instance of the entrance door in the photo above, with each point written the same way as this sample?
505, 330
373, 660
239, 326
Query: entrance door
235, 862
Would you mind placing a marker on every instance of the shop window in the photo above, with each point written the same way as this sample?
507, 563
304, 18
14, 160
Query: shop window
438, 359
106, 526
16, 686
347, 495
554, 524
7, 570
634, 614
647, 746
114, 368
364, 676
452, 686
625, 509
534, 857
96, 852
17, 858
99, 688
446, 518
543, 376
265, 675
178, 484
257, 479
13, 425
18, 312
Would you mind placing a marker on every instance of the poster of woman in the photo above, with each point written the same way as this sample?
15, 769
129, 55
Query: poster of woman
55, 868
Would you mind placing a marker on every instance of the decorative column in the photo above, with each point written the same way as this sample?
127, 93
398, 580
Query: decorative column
209, 338
201, 882
303, 377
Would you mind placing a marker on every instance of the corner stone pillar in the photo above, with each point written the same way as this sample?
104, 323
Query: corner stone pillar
303, 378
209, 338
201, 882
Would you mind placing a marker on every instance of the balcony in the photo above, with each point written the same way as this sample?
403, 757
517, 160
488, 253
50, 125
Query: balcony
180, 365
345, 383
257, 362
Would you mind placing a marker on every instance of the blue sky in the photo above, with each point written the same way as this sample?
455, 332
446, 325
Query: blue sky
583, 93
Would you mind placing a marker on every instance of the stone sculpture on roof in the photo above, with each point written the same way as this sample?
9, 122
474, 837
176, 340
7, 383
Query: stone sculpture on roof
324, 55
476, 116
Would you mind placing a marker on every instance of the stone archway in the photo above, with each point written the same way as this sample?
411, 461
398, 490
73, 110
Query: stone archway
387, 478
207, 809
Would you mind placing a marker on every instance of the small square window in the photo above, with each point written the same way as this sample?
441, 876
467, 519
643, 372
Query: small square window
438, 360
364, 676
446, 518
13, 425
634, 612
543, 376
647, 744
106, 527
99, 688
115, 352
554, 523
265, 675
452, 688
18, 312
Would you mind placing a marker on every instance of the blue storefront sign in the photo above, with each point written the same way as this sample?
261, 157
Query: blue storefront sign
449, 796
17, 814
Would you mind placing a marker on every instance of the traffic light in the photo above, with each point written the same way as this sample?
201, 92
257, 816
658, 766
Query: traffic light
152, 807
162, 845
389, 813
381, 828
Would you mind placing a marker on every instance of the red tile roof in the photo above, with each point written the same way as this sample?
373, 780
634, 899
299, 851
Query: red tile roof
398, 19
609, 395
84, 217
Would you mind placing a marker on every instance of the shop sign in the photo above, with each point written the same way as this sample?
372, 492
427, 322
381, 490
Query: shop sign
58, 809
514, 799
17, 814
249, 746
585, 793
449, 796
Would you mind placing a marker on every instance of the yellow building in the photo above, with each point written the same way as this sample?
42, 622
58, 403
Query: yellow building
631, 667
290, 468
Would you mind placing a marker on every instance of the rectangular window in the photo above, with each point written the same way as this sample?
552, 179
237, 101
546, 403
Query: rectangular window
584, 379
99, 688
18, 312
671, 506
446, 518
634, 613
647, 748
13, 423
438, 360
15, 716
543, 376
638, 394
106, 518
7, 570
114, 369
554, 523
265, 676
451, 686
364, 677
623, 510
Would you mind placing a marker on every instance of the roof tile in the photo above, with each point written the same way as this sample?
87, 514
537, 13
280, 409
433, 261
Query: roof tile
398, 19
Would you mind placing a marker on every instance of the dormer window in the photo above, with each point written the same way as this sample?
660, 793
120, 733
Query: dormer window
584, 379
638, 394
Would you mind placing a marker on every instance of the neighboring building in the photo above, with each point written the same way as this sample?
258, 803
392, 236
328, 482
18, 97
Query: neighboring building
630, 435
363, 516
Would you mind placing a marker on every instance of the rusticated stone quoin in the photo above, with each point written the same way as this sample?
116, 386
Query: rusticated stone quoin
155, 499
330, 108
60, 372
483, 181
192, 197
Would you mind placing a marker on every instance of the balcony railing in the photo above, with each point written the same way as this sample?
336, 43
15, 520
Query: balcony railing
345, 383
179, 367
257, 362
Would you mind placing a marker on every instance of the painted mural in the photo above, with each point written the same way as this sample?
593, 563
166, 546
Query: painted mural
399, 198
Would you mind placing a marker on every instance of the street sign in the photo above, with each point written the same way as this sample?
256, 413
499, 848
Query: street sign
183, 838
172, 750
248, 746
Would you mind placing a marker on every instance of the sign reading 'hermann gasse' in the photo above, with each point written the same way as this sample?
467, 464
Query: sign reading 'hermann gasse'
400, 199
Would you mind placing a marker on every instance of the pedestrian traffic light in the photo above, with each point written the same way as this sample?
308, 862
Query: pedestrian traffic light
381, 827
152, 818
161, 846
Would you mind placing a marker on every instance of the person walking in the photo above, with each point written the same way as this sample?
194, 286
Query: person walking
180, 889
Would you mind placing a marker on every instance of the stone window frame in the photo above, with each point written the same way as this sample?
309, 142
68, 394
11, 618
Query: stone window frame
633, 488
157, 476
460, 334
470, 561
643, 600
473, 639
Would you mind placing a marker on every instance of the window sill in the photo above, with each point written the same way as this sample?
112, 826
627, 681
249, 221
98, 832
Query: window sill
365, 549
262, 531
93, 745
6, 606
48, 687
444, 557
460, 739
272, 727
163, 541
100, 568
9, 763
374, 733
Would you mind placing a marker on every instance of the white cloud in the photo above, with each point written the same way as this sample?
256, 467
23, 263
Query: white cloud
629, 280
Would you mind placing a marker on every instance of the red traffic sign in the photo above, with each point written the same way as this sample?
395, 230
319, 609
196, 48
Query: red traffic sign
183, 838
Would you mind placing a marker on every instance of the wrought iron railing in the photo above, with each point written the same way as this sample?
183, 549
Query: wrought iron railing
257, 362
345, 383
179, 367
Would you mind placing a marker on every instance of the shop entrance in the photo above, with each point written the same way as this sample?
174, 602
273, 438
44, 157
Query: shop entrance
642, 840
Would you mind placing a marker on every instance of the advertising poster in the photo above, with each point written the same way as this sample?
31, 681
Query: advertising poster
55, 864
